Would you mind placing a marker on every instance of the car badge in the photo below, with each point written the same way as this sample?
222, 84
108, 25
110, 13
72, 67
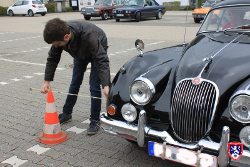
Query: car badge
235, 150
196, 81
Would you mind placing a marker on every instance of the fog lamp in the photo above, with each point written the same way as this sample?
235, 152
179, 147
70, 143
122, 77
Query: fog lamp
239, 107
129, 112
245, 136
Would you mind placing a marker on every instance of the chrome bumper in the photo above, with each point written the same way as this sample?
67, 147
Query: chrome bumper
138, 133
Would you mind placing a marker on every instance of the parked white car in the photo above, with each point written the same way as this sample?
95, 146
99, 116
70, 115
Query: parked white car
27, 7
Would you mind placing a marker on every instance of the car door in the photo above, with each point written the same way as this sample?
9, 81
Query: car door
25, 7
16, 8
151, 8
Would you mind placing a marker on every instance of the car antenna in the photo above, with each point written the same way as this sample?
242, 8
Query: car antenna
185, 31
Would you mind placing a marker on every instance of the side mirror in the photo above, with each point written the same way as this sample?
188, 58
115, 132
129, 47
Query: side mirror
139, 45
145, 4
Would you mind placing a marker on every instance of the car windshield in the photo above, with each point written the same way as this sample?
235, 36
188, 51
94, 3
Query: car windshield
227, 18
134, 3
103, 2
209, 3
37, 2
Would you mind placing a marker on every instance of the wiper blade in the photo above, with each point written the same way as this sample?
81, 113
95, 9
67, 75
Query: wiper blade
210, 31
244, 29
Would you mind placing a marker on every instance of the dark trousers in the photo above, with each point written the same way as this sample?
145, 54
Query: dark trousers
95, 88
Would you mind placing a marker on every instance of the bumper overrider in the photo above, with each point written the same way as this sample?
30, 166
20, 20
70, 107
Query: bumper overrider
170, 149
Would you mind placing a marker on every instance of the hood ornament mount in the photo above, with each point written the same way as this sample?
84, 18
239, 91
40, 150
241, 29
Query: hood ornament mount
139, 45
208, 60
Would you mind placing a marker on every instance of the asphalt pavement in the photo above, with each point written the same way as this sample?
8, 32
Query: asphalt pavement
23, 56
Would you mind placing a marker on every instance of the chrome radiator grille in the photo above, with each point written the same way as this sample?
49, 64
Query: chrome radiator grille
193, 107
89, 10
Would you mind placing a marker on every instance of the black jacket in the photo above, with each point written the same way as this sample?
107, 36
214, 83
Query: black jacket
87, 40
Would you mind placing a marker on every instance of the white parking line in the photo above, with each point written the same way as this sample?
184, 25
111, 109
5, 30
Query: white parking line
38, 149
19, 39
14, 161
76, 130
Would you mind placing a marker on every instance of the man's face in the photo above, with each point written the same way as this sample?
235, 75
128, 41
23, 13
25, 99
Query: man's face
59, 43
62, 43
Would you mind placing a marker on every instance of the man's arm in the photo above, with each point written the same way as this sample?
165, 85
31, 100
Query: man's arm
51, 65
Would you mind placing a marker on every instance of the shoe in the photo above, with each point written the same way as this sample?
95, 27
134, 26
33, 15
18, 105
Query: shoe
64, 118
94, 127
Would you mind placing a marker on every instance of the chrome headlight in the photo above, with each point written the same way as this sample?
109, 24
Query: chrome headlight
129, 112
239, 107
83, 10
114, 11
141, 91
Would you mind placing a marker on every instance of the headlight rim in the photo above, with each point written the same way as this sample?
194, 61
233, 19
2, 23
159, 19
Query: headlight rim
150, 86
237, 94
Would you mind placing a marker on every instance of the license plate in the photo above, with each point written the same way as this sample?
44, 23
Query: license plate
181, 155
87, 13
40, 6
119, 15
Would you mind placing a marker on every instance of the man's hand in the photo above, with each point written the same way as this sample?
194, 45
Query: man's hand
106, 91
46, 87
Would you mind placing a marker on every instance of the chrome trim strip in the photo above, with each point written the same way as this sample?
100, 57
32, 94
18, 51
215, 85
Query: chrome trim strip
223, 158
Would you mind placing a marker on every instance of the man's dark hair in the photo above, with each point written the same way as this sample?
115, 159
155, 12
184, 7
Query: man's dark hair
55, 30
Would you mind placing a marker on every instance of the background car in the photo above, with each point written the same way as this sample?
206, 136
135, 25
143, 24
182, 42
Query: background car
190, 102
102, 8
137, 9
27, 7
200, 13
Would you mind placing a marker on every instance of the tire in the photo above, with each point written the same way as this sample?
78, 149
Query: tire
87, 17
159, 15
11, 13
117, 20
138, 17
105, 15
197, 20
30, 13
43, 14
23, 14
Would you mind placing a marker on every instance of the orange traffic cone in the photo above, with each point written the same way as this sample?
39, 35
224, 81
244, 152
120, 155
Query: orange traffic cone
52, 133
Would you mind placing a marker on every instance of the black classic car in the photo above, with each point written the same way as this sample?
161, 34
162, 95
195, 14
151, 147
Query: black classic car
137, 9
102, 8
189, 102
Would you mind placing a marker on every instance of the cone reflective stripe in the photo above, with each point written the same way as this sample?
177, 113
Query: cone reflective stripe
52, 133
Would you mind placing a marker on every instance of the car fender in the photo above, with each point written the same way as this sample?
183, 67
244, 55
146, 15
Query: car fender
155, 64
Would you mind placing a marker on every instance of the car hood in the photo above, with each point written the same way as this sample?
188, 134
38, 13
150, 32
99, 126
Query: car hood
233, 56
202, 10
223, 54
96, 6
129, 8
155, 66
